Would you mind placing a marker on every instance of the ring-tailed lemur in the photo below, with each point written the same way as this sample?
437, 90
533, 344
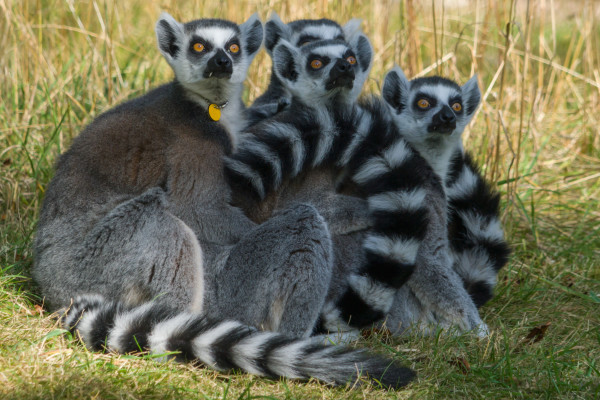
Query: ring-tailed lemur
431, 113
139, 209
303, 147
298, 33
106, 325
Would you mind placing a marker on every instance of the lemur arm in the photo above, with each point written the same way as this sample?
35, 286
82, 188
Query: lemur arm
474, 228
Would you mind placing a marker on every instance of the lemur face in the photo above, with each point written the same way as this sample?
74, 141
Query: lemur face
430, 109
208, 52
304, 32
322, 71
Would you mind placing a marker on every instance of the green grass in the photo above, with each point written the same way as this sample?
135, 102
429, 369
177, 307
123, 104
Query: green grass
536, 135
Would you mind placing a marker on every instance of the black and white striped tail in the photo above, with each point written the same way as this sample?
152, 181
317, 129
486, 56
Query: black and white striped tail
293, 141
392, 175
223, 345
475, 231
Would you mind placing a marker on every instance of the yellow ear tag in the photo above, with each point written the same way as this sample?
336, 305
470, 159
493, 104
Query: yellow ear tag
214, 112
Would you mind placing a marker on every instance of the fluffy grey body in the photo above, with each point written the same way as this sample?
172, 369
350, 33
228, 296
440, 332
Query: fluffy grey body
346, 215
222, 344
304, 153
431, 113
139, 210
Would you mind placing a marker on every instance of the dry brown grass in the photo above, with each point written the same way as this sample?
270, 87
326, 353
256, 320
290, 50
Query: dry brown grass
62, 62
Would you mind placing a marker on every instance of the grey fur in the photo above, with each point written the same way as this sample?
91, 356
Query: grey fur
320, 184
139, 208
346, 216
445, 302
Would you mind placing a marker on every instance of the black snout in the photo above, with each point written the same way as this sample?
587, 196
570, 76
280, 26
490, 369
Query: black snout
341, 75
343, 66
444, 121
220, 66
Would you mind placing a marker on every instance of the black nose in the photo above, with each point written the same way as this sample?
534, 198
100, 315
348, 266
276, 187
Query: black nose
222, 61
219, 66
341, 75
447, 116
343, 65
443, 122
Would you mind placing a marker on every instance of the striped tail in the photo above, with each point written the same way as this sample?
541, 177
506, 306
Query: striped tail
364, 142
223, 345
283, 147
475, 231
396, 180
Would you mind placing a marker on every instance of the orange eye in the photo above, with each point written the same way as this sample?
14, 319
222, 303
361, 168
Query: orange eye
351, 60
316, 64
234, 48
457, 107
423, 103
198, 47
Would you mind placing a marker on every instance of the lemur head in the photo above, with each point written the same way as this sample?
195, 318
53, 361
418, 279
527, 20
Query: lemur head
210, 57
323, 71
303, 31
430, 110
431, 113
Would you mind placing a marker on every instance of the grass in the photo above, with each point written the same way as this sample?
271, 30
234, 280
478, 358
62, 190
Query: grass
536, 134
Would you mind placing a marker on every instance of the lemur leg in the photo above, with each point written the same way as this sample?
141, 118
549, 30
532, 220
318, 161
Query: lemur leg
277, 276
140, 251
436, 285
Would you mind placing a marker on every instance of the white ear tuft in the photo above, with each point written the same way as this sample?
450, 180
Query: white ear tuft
285, 62
364, 51
352, 28
169, 34
275, 30
471, 95
395, 89
252, 34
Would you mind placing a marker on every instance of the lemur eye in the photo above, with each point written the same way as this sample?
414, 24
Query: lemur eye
351, 60
234, 48
423, 103
457, 107
198, 47
316, 64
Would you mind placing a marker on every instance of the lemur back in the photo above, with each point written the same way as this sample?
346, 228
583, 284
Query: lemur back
316, 135
431, 114
139, 210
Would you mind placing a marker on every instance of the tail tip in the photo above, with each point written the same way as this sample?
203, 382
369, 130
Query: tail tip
394, 376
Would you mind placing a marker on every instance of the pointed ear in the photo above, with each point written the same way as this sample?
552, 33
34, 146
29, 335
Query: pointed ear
363, 50
169, 34
351, 29
275, 30
285, 62
252, 34
395, 89
471, 95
